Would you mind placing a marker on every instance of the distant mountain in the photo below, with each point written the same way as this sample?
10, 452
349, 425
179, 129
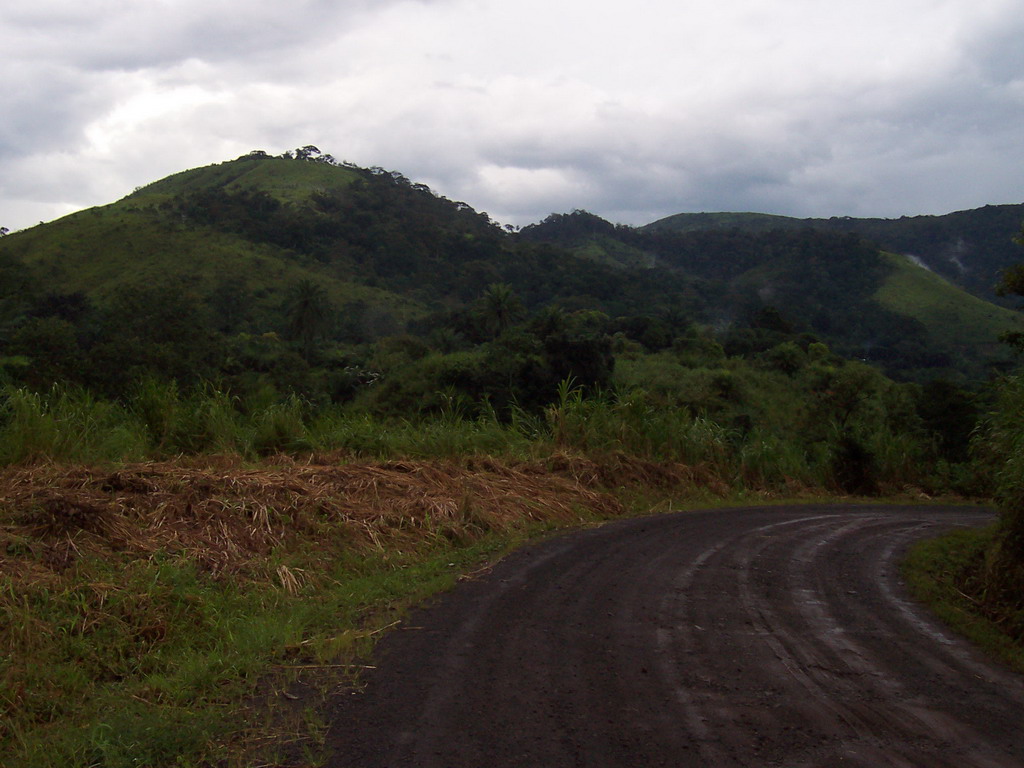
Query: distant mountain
970, 248
232, 244
388, 252
837, 284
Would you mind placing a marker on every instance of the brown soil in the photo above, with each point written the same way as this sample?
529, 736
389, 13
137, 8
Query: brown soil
757, 637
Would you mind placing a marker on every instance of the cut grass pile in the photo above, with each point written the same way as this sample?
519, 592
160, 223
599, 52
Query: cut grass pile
225, 515
140, 605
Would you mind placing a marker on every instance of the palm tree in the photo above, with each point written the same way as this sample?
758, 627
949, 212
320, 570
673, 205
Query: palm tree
500, 307
309, 313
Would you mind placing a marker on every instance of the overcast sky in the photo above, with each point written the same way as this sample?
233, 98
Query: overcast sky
633, 111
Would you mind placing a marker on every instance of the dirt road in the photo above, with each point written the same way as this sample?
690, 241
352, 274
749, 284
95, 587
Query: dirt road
757, 637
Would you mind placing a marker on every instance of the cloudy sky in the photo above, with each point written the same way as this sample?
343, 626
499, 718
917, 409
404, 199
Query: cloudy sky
523, 107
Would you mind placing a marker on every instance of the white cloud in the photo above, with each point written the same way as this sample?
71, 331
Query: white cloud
803, 107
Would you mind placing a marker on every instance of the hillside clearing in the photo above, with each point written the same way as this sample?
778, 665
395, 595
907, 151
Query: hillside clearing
953, 317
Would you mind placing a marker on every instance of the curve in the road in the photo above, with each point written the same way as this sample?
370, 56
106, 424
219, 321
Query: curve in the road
755, 637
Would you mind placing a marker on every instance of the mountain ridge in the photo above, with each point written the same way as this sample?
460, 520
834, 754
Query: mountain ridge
969, 247
392, 256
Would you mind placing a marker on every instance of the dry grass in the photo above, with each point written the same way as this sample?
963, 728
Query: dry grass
620, 470
227, 517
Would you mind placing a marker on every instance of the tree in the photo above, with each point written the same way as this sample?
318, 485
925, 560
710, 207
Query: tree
231, 303
307, 152
786, 357
159, 328
51, 346
309, 314
500, 307
17, 288
1012, 283
576, 346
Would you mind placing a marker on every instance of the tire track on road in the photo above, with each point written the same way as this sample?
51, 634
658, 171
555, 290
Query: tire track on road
774, 636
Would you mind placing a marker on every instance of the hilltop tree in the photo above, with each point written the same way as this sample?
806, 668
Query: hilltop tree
307, 152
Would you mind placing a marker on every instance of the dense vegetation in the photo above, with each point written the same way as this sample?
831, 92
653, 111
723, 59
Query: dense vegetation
866, 303
990, 569
270, 304
974, 579
253, 260
970, 248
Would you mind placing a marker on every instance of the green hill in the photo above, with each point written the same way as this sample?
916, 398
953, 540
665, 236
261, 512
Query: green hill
298, 273
820, 278
589, 237
748, 222
970, 248
956, 321
288, 181
365, 235
148, 236
234, 246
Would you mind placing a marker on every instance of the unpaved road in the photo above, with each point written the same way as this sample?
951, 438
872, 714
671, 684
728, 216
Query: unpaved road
758, 637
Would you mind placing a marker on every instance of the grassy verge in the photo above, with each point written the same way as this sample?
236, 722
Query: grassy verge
195, 614
945, 573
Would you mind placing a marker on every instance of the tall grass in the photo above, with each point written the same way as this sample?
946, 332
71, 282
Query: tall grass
66, 424
630, 423
160, 421
903, 459
769, 461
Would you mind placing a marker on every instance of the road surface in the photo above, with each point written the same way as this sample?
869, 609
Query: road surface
758, 637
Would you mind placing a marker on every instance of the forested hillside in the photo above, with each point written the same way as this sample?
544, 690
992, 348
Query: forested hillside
969, 248
302, 275
837, 285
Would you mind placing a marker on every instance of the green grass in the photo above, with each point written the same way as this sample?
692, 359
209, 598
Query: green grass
701, 425
941, 573
954, 318
152, 663
66, 425
286, 180
130, 241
